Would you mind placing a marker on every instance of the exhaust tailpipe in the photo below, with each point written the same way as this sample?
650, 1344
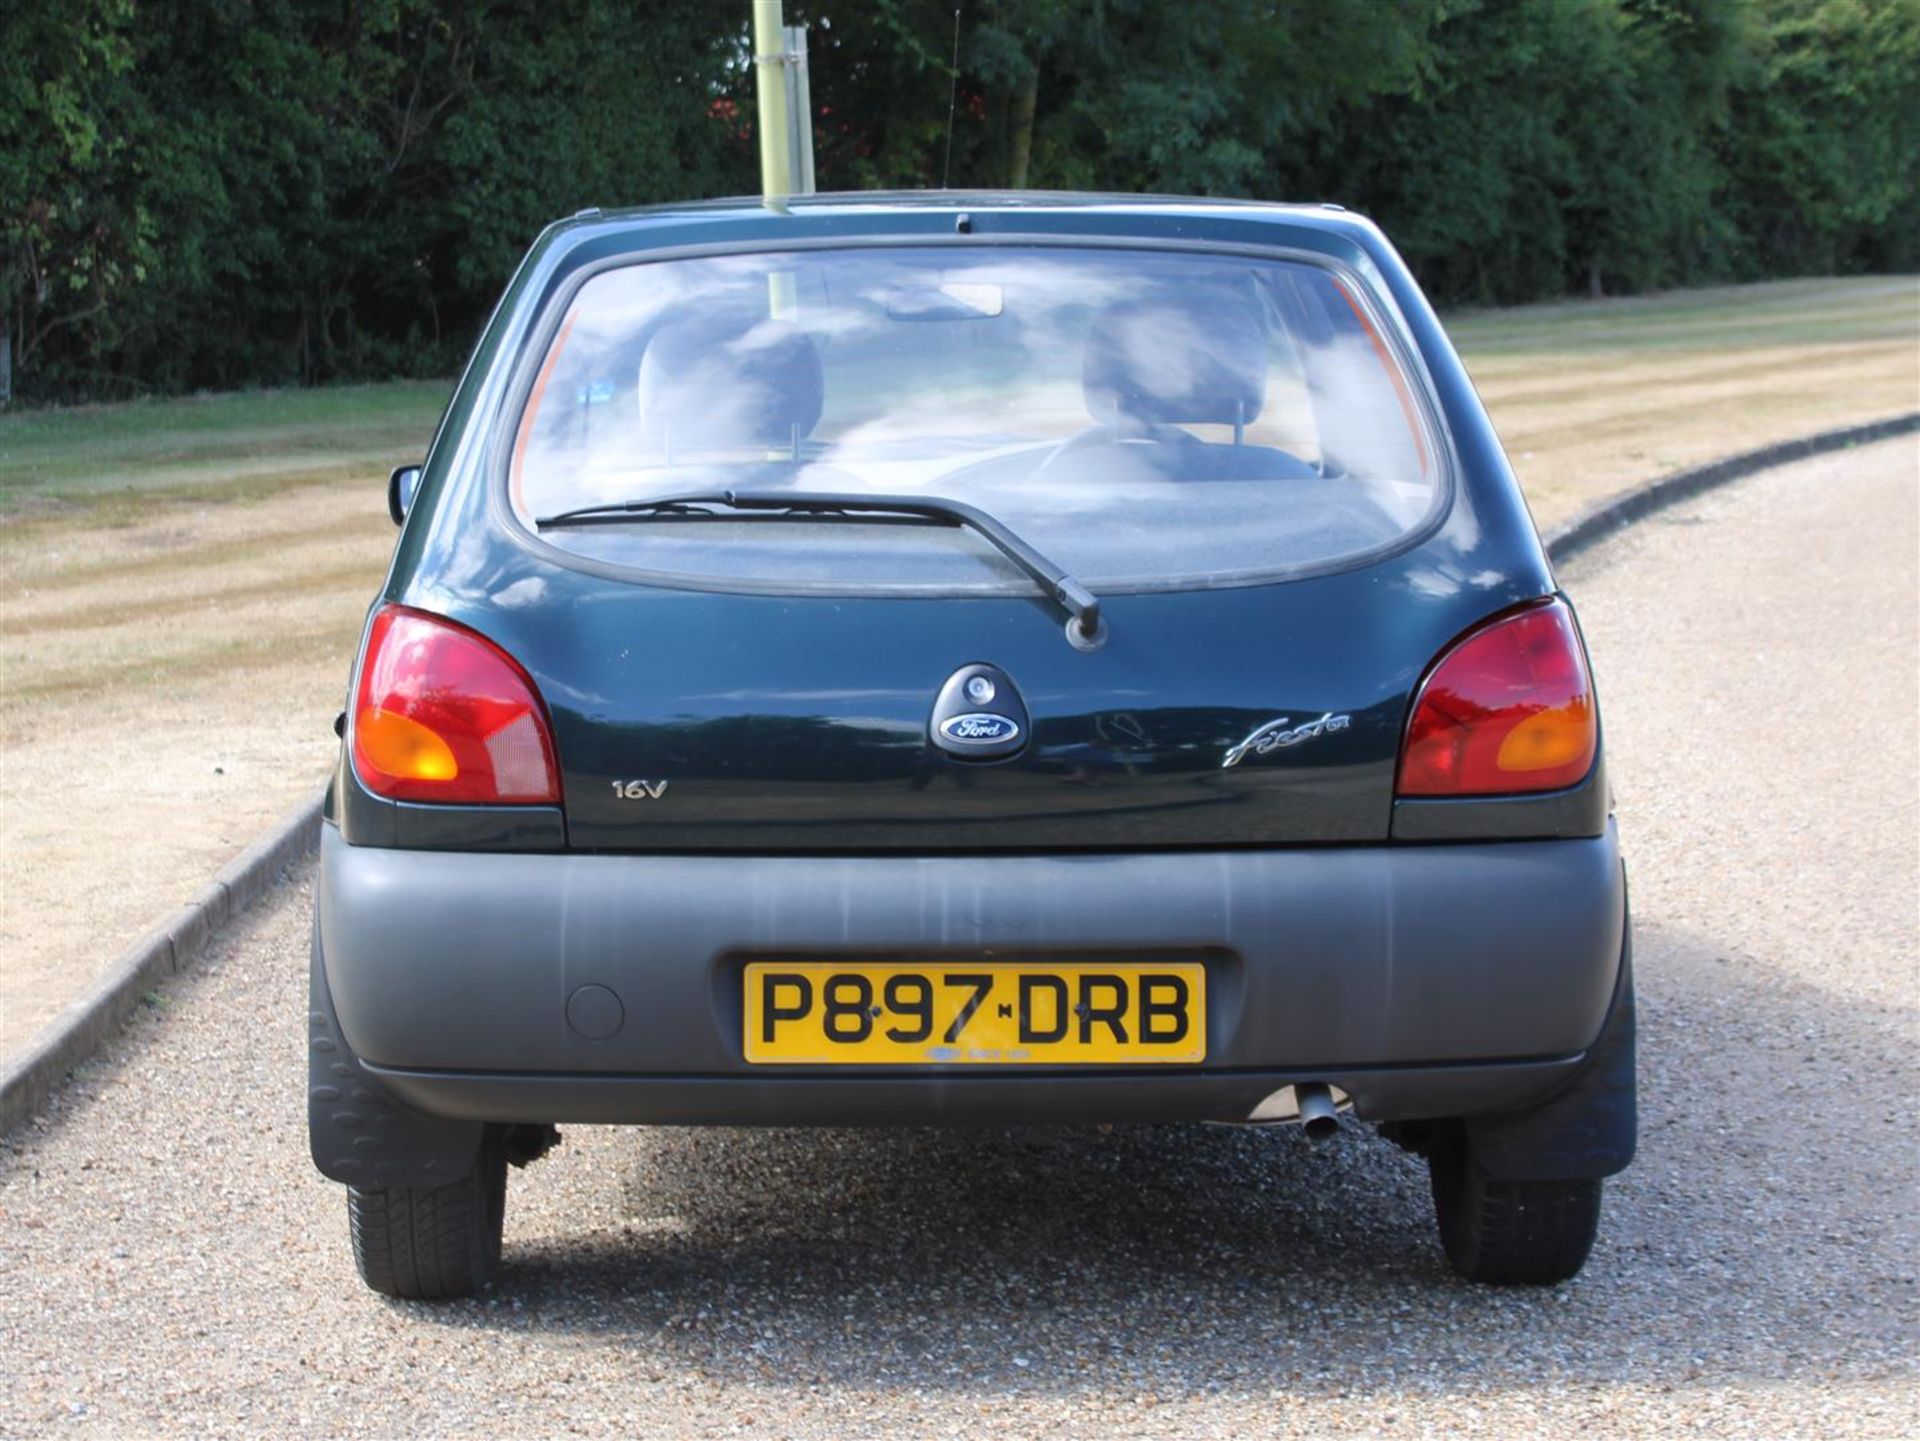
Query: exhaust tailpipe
1318, 1117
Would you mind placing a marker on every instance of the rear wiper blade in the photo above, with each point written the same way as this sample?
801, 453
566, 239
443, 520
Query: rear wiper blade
1072, 596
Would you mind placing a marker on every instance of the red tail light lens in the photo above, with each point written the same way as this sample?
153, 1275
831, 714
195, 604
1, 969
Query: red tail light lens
442, 714
1506, 711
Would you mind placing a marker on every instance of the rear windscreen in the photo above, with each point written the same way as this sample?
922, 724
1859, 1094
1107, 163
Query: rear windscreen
1146, 418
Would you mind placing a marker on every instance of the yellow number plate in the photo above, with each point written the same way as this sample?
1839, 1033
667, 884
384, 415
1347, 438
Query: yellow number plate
828, 1013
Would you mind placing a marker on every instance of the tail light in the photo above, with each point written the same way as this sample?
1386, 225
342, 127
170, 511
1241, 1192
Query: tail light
1505, 711
442, 714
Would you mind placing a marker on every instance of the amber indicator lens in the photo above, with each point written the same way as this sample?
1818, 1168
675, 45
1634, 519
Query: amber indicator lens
1508, 710
442, 714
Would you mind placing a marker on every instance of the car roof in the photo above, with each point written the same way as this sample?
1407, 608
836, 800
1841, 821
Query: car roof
855, 201
595, 236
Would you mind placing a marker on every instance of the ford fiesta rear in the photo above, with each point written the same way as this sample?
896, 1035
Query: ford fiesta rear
1092, 666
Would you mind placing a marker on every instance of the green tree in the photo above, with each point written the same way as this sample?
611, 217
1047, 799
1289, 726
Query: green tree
1822, 146
230, 192
1546, 147
237, 192
1129, 95
76, 227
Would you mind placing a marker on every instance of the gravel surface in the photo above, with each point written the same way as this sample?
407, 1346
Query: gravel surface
169, 1263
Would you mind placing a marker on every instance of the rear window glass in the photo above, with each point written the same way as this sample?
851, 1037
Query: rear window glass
1146, 419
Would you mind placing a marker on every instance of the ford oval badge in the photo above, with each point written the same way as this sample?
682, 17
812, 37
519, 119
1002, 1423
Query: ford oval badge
979, 717
980, 728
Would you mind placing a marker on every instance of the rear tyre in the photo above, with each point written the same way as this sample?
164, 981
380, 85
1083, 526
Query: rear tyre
1511, 1233
432, 1243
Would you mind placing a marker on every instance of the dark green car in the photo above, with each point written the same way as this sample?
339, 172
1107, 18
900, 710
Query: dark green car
906, 659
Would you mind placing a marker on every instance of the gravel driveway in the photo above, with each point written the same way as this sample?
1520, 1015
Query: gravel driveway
169, 1263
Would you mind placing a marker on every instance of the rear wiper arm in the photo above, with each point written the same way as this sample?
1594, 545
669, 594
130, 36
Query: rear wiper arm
1073, 597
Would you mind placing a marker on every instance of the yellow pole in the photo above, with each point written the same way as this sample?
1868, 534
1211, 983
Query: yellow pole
770, 84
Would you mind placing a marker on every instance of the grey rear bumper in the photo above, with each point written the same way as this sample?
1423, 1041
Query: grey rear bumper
1424, 980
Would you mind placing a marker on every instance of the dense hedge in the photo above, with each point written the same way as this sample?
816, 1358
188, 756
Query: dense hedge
232, 192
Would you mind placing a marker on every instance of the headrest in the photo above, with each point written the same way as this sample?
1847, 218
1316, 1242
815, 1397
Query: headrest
1200, 359
730, 381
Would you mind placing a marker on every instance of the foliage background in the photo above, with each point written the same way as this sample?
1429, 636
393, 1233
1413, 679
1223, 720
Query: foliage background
222, 193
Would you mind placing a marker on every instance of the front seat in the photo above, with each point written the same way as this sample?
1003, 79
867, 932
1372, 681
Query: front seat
1151, 367
1195, 361
729, 382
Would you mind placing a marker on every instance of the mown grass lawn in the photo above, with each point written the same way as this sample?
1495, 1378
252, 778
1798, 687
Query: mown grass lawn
247, 442
1719, 318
